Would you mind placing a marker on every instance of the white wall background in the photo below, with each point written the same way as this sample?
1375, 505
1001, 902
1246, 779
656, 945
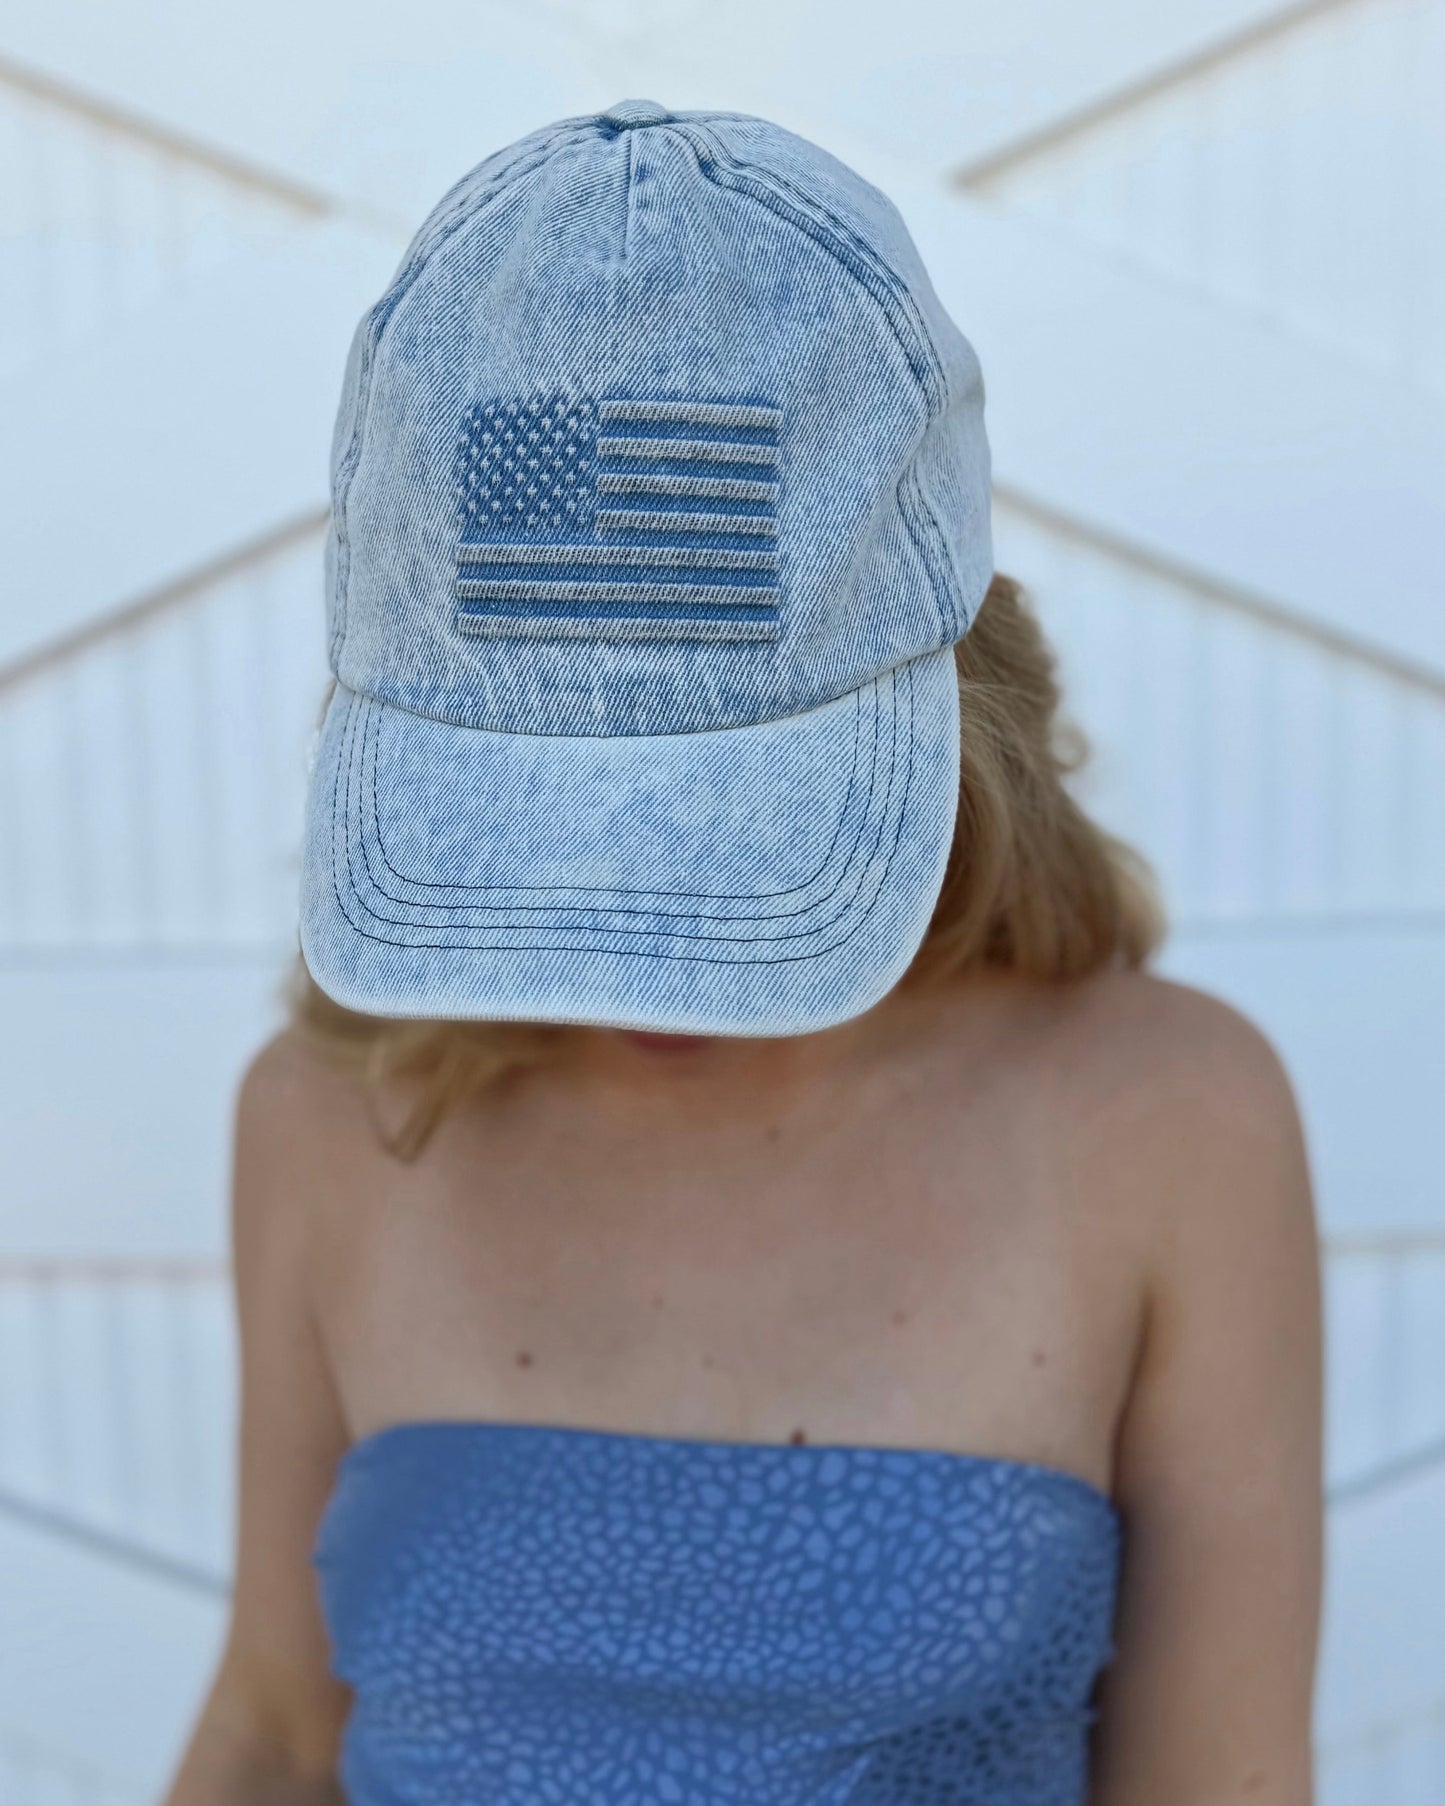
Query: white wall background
1201, 250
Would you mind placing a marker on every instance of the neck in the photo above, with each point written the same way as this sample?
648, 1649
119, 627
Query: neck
731, 1070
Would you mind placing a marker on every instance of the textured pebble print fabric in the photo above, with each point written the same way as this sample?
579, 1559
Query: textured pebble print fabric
533, 1615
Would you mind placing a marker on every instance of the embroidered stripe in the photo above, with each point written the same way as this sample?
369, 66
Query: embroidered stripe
603, 627
510, 589
714, 451
699, 413
722, 558
729, 489
646, 520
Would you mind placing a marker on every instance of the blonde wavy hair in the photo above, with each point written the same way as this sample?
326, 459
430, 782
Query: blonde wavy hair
1032, 886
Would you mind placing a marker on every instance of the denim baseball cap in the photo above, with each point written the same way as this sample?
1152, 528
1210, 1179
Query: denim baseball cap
660, 494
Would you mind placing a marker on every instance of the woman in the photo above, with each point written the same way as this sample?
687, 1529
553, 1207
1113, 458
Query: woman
748, 1291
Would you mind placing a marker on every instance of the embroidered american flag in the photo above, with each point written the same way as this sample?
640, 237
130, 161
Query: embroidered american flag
619, 519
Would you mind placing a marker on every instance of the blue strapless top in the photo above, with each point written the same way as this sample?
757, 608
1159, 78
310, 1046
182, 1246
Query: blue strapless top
534, 1615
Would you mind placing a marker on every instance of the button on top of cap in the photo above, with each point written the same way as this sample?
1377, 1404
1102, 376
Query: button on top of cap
635, 112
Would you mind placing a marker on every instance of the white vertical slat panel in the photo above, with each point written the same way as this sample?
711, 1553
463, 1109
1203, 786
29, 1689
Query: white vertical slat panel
1269, 775
110, 1413
27, 1379
151, 781
1375, 801
203, 1407
224, 453
293, 661
18, 200
118, 1413
1303, 256
100, 221
1382, 1677
101, 1670
1234, 779
1235, 191
1425, 799
1155, 189
1172, 722
68, 241
34, 1775
130, 655
1303, 177
141, 225
117, 1087
1306, 824
122, 1397
1420, 1407
156, 1348
105, 807
39, 862
1426, 291
179, 762
78, 1363
240, 733
1358, 1332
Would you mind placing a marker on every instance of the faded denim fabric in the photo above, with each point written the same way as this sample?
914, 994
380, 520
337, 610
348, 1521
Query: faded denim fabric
660, 494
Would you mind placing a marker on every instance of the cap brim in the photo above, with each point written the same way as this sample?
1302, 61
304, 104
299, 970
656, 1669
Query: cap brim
763, 880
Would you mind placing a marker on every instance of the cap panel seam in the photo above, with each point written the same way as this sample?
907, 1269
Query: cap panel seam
430, 239
630, 202
857, 257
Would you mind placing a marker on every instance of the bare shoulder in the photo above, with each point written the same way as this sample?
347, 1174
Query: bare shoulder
1183, 1113
1188, 1133
302, 1131
1123, 1052
1137, 1042
292, 1091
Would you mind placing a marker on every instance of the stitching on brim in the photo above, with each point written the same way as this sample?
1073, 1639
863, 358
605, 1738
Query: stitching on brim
518, 926
583, 907
630, 890
560, 947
